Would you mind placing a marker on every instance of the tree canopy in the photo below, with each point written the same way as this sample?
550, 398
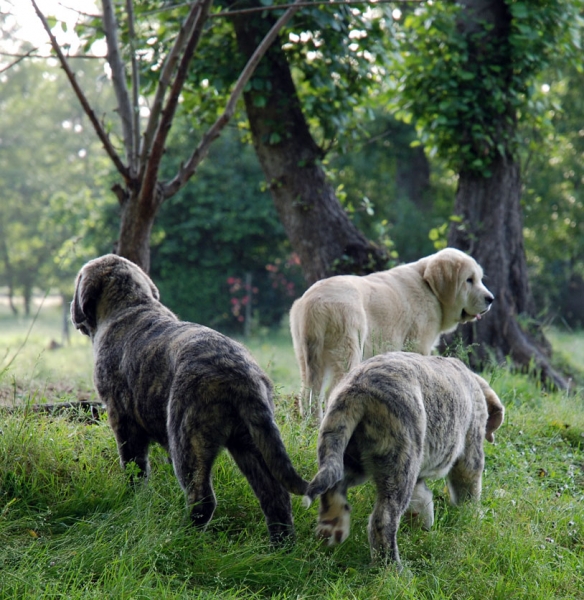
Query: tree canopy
398, 102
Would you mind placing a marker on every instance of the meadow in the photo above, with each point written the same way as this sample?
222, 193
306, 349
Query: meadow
72, 527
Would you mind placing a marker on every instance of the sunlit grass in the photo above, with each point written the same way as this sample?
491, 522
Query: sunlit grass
71, 526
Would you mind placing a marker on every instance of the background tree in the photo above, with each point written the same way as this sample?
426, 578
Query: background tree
317, 66
141, 192
467, 85
554, 196
319, 229
46, 148
219, 231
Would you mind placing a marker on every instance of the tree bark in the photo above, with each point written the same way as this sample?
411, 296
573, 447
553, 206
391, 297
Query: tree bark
319, 230
491, 229
137, 219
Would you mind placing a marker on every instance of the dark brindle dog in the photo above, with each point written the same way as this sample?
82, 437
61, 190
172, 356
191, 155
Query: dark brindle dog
187, 387
400, 418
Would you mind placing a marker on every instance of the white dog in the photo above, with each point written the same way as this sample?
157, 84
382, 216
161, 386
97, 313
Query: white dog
342, 320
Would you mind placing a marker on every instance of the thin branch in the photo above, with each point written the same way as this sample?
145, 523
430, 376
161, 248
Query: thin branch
19, 57
302, 3
188, 170
167, 115
119, 81
164, 81
135, 84
99, 130
230, 13
32, 54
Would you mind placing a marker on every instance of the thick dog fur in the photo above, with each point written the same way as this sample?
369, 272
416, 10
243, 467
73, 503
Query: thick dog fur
398, 419
342, 320
187, 387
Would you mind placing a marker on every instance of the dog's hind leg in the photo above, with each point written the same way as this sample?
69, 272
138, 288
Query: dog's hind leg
192, 459
273, 498
394, 492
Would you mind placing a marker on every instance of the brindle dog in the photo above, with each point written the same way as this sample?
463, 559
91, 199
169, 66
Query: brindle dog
185, 386
398, 419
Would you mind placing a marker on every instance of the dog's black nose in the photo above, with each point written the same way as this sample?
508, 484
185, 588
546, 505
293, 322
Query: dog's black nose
489, 299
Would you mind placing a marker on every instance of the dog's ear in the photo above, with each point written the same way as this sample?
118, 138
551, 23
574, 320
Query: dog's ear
442, 274
154, 289
495, 410
88, 289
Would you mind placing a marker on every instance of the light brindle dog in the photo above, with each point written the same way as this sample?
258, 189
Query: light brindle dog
399, 419
185, 386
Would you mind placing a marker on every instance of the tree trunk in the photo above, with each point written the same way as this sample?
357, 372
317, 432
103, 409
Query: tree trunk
9, 272
316, 224
66, 319
137, 219
11, 301
27, 297
492, 232
492, 225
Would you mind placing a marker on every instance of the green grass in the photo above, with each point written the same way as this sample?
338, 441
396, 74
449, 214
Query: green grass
72, 527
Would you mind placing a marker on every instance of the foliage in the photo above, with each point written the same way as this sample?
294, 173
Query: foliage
337, 55
465, 88
380, 185
222, 226
554, 198
52, 174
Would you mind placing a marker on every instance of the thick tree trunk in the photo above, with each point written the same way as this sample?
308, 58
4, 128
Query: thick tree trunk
492, 226
316, 224
492, 232
137, 219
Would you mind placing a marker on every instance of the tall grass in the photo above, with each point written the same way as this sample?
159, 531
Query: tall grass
71, 525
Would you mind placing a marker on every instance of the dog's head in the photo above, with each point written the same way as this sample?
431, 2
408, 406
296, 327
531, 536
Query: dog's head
107, 284
457, 281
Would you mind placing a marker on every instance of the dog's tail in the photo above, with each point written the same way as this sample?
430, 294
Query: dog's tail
308, 341
266, 436
344, 414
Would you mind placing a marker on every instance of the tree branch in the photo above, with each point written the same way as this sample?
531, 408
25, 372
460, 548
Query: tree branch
18, 57
303, 3
135, 85
188, 170
199, 14
163, 83
119, 82
99, 130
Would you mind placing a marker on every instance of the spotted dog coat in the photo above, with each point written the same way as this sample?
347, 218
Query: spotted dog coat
185, 386
398, 419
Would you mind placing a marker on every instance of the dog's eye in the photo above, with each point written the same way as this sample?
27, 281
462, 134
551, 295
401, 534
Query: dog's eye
470, 280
